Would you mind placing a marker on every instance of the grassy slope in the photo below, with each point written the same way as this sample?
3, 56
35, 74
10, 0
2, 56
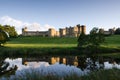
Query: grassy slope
111, 42
42, 42
46, 45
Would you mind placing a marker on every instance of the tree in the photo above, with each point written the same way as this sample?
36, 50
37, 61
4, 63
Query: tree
3, 37
94, 39
82, 40
117, 31
10, 30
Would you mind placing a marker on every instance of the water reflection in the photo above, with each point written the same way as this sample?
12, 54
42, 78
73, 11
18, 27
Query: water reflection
78, 63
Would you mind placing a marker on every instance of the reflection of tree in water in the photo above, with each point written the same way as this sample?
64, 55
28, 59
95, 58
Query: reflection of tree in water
5, 69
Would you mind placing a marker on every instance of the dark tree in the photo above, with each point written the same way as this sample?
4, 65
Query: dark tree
117, 31
94, 39
82, 40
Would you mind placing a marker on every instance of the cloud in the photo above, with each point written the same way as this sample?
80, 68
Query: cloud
20, 24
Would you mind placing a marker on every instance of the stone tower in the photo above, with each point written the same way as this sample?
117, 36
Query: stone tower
83, 29
79, 30
52, 32
62, 32
24, 30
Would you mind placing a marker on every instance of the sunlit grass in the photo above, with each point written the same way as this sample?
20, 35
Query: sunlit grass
41, 42
49, 45
112, 41
40, 45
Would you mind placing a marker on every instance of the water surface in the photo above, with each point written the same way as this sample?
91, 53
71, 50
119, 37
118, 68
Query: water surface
56, 65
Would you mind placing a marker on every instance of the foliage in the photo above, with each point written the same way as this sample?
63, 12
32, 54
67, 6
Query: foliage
117, 31
3, 37
94, 39
82, 40
10, 30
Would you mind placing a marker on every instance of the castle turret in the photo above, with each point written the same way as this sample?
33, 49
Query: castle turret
83, 29
62, 32
79, 30
24, 30
51, 32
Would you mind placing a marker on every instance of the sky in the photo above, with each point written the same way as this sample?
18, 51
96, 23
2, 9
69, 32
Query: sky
40, 15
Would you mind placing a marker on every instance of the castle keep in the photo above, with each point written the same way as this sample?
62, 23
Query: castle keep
63, 32
72, 31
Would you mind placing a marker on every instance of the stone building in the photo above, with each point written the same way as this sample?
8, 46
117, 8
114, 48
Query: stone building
72, 31
51, 33
108, 32
63, 32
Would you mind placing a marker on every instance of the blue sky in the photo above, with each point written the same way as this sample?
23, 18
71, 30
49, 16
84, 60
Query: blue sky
42, 14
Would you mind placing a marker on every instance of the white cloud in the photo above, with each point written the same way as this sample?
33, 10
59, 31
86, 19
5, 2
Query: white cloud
20, 24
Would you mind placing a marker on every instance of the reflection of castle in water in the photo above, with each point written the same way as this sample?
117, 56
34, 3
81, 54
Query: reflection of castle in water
68, 60
81, 62
52, 60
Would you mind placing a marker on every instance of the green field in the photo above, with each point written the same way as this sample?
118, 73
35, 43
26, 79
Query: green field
41, 42
48, 45
112, 41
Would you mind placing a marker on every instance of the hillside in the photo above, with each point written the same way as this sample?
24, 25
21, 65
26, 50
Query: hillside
41, 42
31, 46
111, 41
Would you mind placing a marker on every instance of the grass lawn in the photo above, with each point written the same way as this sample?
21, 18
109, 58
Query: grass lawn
112, 41
49, 45
41, 42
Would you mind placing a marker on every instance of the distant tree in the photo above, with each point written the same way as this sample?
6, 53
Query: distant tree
94, 39
82, 40
3, 37
117, 31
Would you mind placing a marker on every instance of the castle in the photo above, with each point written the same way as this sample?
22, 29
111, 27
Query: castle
63, 32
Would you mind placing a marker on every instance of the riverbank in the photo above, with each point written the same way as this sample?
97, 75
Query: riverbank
6, 51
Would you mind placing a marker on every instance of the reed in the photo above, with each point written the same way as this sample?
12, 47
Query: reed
109, 74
